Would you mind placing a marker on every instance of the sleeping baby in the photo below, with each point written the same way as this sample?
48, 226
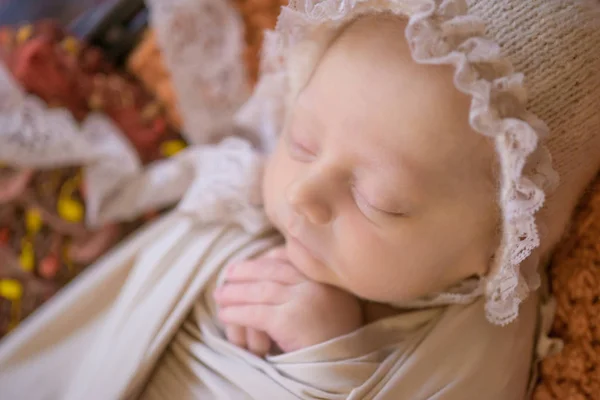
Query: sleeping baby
389, 247
382, 190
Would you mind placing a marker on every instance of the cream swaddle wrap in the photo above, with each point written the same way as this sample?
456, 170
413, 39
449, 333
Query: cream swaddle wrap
141, 323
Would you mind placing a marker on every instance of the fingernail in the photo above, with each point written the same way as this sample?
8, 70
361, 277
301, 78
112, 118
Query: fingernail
231, 268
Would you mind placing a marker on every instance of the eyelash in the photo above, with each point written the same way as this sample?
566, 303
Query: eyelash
298, 151
358, 199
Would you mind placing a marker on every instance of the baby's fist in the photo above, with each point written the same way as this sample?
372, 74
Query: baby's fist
270, 295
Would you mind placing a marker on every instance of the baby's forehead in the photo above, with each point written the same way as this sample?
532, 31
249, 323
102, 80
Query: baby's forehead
368, 87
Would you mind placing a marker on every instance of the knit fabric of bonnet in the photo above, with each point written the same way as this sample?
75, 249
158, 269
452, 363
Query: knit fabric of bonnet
530, 67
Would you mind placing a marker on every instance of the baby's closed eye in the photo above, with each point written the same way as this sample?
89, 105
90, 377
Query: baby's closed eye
299, 148
368, 207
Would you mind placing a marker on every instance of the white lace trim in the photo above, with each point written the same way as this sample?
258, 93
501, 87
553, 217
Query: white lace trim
464, 292
441, 32
216, 183
230, 188
34, 136
201, 44
263, 113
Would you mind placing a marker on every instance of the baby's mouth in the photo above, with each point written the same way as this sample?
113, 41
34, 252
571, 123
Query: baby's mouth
294, 235
298, 244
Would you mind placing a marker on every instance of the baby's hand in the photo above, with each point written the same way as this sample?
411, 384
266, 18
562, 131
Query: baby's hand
253, 340
270, 295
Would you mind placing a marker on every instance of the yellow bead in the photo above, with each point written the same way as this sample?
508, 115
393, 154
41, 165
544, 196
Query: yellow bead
27, 256
71, 45
70, 209
11, 289
33, 220
24, 33
171, 147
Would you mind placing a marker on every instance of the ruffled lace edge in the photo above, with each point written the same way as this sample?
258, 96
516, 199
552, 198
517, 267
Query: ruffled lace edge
32, 135
442, 32
212, 183
201, 43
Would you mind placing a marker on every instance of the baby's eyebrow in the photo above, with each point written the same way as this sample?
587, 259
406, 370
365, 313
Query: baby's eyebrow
383, 163
311, 110
303, 115
387, 175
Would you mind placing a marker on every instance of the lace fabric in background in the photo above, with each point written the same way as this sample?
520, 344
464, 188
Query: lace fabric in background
53, 146
86, 156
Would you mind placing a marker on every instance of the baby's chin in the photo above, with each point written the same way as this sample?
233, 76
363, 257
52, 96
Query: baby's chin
319, 271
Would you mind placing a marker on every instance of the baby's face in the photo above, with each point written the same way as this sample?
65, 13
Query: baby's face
378, 183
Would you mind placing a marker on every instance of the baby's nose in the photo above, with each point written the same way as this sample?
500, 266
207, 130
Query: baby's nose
307, 200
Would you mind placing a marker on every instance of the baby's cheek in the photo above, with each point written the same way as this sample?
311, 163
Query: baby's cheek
368, 264
274, 184
387, 267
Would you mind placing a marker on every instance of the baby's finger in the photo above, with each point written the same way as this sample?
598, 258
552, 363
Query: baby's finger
264, 269
262, 292
236, 335
259, 317
259, 342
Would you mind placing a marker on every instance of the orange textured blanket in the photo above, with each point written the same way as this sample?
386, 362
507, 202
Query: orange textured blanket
574, 373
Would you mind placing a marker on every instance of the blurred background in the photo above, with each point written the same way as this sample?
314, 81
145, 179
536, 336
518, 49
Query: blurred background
89, 57
64, 11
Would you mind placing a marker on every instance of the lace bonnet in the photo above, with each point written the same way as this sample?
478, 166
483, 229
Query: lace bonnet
494, 45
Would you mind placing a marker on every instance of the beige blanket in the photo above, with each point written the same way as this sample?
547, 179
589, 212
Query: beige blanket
140, 323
